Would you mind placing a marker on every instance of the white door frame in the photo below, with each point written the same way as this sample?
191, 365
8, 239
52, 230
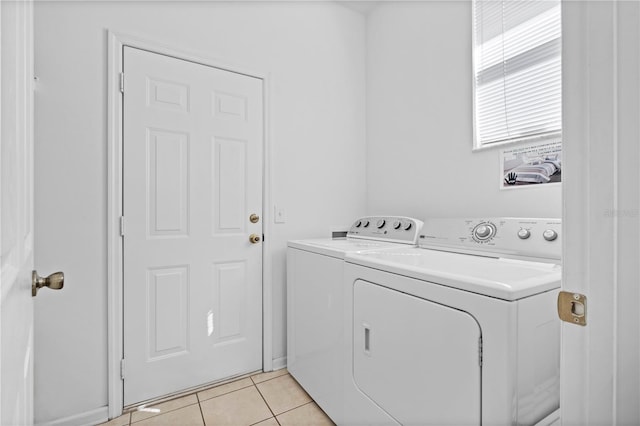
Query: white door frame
117, 41
601, 97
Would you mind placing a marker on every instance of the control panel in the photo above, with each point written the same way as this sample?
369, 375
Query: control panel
509, 237
386, 228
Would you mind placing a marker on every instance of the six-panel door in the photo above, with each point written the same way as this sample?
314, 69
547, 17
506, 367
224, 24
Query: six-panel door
192, 177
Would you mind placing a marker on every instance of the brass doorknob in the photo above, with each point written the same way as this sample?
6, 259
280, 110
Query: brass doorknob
54, 281
254, 238
254, 218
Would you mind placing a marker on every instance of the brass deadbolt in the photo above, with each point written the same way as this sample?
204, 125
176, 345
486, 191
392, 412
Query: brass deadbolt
254, 218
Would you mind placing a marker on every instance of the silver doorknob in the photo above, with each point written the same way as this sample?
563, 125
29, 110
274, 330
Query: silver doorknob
254, 238
54, 281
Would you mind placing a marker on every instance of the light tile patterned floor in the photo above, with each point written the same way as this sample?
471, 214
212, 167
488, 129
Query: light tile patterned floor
265, 399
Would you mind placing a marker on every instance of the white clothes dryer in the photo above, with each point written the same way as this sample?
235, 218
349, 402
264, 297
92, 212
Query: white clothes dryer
315, 307
461, 330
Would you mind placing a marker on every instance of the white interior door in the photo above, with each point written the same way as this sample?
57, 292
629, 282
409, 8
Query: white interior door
16, 233
192, 179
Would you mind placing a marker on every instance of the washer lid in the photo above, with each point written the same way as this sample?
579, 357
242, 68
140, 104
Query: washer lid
502, 278
338, 247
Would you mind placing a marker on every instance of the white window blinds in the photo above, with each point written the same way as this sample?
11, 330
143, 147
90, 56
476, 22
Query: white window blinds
517, 66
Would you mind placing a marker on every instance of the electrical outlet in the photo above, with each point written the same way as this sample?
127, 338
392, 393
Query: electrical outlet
279, 214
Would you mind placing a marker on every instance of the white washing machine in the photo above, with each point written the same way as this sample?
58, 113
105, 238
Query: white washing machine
315, 307
461, 330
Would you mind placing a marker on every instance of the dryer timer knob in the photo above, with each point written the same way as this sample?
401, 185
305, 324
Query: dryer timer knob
380, 224
550, 235
523, 234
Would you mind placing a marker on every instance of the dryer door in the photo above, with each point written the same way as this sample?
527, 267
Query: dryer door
416, 359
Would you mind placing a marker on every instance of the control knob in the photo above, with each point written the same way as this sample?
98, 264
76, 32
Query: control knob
523, 234
380, 224
365, 223
397, 224
358, 224
407, 226
550, 235
484, 232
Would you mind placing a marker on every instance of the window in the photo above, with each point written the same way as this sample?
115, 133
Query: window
517, 70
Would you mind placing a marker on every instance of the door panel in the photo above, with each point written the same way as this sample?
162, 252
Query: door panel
417, 360
16, 206
229, 199
192, 177
168, 311
168, 180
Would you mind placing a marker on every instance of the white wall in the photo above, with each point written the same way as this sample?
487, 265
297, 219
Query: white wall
419, 120
315, 54
415, 58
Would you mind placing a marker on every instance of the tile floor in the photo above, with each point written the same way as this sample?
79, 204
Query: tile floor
264, 399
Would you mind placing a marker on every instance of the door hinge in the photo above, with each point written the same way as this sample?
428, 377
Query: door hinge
480, 351
121, 82
122, 226
122, 369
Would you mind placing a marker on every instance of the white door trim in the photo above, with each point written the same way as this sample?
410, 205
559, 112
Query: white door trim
599, 379
117, 41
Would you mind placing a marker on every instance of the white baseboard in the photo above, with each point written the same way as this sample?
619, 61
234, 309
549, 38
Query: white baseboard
280, 363
89, 418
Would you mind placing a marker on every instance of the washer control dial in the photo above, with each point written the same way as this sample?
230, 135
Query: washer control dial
358, 224
484, 231
380, 224
365, 223
523, 234
397, 224
407, 226
550, 235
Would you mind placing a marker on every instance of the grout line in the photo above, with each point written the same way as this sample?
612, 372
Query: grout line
258, 422
273, 378
285, 373
307, 403
225, 393
295, 408
266, 403
204, 422
286, 411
